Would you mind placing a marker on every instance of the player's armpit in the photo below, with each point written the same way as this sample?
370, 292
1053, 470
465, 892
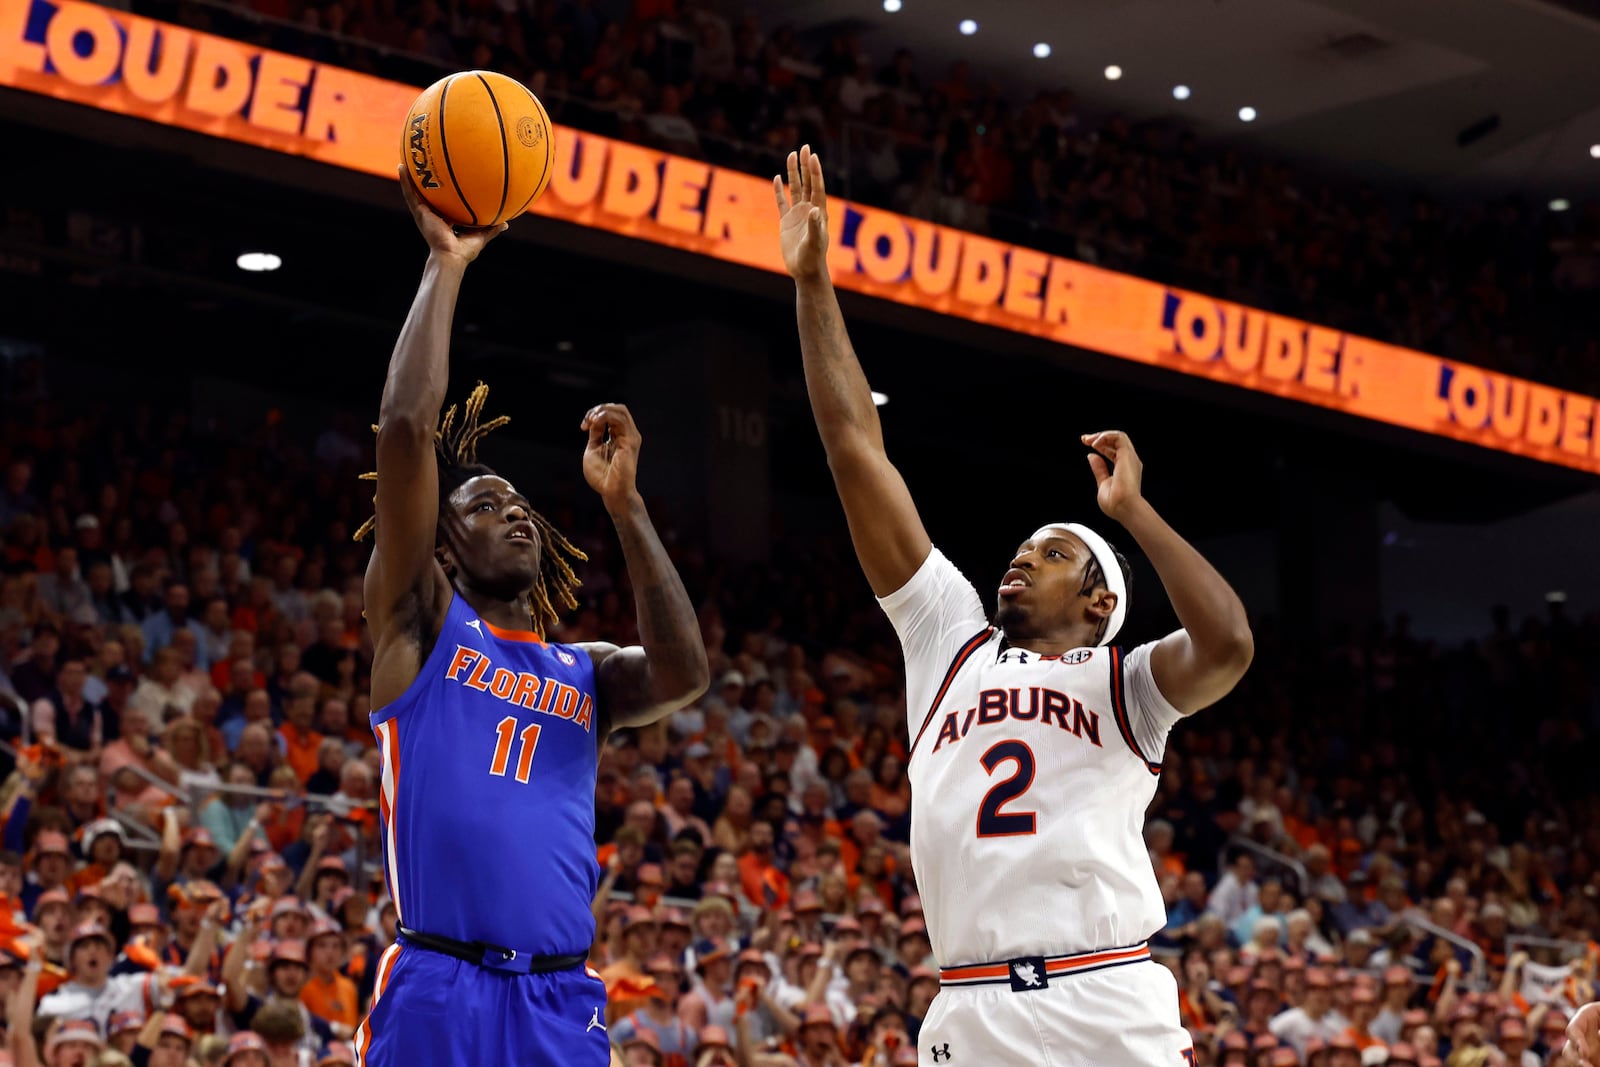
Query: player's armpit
1191, 679
885, 528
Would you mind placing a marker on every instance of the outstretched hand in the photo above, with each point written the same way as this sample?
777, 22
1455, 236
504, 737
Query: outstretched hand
1118, 471
611, 458
803, 216
444, 238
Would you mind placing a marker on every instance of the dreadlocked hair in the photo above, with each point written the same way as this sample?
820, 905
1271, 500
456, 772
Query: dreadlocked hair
455, 448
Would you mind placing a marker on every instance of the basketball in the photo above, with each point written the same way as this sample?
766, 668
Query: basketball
479, 147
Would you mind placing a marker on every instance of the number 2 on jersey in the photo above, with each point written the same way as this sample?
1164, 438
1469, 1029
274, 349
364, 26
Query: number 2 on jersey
507, 731
992, 822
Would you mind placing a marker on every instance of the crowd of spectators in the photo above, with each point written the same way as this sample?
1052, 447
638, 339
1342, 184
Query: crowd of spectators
1351, 845
1501, 283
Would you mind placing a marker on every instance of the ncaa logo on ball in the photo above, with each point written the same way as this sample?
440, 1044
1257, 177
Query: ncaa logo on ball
528, 132
566, 657
420, 163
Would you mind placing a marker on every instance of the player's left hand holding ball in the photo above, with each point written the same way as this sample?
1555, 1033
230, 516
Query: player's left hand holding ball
459, 243
1118, 472
611, 460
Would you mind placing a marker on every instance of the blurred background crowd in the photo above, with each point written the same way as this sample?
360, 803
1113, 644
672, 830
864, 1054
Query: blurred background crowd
1504, 284
1379, 849
189, 810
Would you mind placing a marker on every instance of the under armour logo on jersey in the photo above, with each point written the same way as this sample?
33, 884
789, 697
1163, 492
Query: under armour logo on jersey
1028, 973
941, 1053
474, 624
596, 1023
1020, 653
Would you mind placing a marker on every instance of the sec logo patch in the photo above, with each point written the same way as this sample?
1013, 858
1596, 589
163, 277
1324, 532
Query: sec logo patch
529, 132
1078, 655
566, 657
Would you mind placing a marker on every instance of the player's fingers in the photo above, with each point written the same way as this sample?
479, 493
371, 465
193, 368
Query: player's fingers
777, 194
805, 172
819, 191
1098, 465
794, 175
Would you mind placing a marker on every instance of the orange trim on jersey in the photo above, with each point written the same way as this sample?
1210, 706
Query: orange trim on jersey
527, 636
363, 1038
388, 794
975, 642
1001, 972
1119, 709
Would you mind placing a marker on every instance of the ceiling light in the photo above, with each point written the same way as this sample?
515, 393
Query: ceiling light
969, 27
1559, 204
1594, 151
1113, 72
1042, 51
259, 261
891, 6
1180, 92
879, 399
1247, 114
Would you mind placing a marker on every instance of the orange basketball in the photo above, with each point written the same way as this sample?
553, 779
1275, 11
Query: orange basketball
479, 147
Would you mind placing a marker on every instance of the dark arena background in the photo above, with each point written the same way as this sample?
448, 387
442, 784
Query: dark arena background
1331, 266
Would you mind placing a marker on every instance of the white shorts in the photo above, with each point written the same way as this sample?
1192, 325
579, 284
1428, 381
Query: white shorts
1117, 1017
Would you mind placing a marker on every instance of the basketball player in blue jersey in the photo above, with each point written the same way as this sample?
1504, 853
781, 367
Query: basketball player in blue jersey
490, 735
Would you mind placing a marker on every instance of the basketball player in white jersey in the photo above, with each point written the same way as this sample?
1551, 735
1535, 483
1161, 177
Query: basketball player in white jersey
1036, 743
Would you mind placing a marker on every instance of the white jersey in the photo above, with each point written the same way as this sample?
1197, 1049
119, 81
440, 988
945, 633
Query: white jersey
1030, 776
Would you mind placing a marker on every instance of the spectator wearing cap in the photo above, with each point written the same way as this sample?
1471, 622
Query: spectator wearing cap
1343, 1051
72, 1043
715, 1048
92, 992
52, 866
639, 931
103, 845
327, 993
912, 945
194, 908
1553, 1034
324, 874
711, 1003
1397, 990
818, 1041
1315, 1018
1516, 1044
246, 1049
165, 1039
641, 1049
186, 855
287, 973
1363, 1010
657, 1019
754, 1005
200, 1005
122, 1032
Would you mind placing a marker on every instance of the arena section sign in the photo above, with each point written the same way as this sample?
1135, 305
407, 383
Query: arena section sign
150, 70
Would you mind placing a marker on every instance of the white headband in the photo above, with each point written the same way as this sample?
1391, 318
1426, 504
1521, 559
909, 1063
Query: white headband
1108, 565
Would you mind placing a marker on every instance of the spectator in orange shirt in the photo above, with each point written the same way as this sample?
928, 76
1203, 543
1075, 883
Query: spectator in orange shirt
1363, 1009
764, 885
328, 994
300, 740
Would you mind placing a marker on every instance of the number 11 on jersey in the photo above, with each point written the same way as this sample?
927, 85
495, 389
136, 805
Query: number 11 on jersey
507, 731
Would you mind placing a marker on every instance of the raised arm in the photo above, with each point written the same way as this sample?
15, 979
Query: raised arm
402, 575
1198, 665
668, 669
888, 535
20, 1007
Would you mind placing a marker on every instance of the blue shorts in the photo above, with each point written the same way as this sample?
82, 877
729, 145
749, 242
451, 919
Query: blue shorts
433, 1010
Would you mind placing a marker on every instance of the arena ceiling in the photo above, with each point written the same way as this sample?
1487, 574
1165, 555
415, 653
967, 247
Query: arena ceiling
1379, 88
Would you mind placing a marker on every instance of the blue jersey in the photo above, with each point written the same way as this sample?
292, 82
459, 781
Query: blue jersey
487, 799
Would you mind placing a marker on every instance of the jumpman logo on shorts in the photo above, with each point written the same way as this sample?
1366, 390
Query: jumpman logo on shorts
595, 1022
